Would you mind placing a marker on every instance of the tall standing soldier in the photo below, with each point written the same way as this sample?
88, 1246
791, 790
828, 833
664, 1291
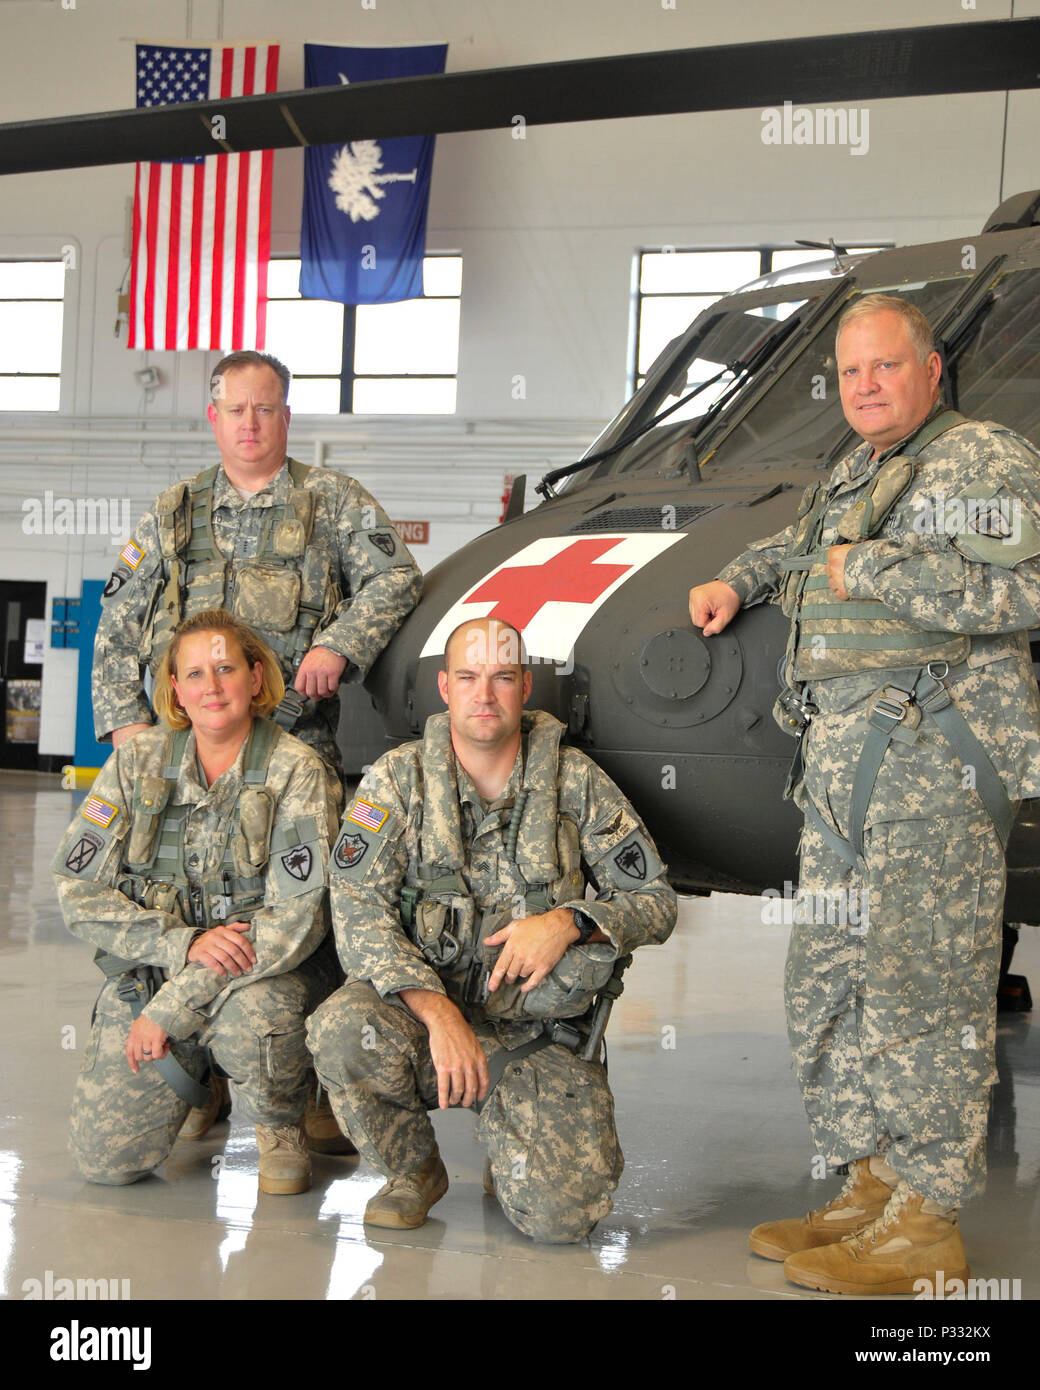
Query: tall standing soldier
910, 578
473, 958
305, 556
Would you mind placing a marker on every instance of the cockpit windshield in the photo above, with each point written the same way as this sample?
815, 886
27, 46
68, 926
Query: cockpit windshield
768, 356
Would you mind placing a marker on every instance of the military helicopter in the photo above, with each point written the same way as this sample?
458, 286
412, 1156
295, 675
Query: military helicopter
596, 576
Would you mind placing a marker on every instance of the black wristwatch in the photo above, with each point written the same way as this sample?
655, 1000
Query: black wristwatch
586, 926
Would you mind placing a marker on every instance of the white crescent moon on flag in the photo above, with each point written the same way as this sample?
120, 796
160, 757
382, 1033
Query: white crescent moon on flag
550, 590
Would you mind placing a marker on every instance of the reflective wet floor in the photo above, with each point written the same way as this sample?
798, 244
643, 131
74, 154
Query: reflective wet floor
711, 1123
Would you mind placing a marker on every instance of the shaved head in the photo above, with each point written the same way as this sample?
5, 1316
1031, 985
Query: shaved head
482, 642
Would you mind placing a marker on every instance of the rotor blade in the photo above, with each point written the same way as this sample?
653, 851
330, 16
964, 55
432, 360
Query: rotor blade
992, 55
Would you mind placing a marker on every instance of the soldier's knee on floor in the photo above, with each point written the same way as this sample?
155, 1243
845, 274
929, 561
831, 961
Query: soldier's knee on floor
105, 1171
552, 1224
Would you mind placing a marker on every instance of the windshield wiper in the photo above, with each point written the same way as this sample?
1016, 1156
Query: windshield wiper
545, 487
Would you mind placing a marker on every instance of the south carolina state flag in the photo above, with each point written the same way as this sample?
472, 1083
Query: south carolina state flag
364, 202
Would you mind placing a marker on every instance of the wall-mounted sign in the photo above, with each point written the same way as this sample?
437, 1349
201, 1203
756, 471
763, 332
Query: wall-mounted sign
413, 532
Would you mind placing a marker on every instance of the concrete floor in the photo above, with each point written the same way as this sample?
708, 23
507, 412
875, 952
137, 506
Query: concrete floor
710, 1119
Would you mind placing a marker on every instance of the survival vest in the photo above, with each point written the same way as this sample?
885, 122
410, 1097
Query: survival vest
832, 636
154, 874
283, 592
439, 912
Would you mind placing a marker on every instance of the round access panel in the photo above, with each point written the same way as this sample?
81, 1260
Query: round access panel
666, 673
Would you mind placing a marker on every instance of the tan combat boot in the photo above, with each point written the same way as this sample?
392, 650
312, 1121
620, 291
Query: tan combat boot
904, 1251
285, 1164
405, 1200
324, 1135
198, 1122
863, 1197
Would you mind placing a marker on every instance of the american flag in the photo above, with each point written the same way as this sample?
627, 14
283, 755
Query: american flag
202, 228
364, 813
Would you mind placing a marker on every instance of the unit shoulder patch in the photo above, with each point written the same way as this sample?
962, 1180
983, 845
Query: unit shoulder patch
297, 870
81, 852
350, 850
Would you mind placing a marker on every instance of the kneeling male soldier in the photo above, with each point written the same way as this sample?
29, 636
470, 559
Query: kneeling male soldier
460, 871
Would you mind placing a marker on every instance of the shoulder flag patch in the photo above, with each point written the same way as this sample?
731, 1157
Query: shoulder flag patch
366, 814
102, 813
131, 555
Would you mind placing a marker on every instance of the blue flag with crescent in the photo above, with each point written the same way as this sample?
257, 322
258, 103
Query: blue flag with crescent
364, 202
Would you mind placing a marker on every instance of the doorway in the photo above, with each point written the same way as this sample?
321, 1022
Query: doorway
24, 636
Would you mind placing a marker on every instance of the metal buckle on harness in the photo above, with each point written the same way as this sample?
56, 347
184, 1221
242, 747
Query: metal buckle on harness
891, 707
799, 711
289, 710
940, 697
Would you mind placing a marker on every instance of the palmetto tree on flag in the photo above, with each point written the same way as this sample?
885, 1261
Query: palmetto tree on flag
355, 179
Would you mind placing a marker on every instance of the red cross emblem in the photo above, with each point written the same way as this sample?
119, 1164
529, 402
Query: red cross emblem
571, 576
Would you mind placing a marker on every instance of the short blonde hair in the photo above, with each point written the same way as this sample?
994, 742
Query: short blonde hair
252, 647
919, 330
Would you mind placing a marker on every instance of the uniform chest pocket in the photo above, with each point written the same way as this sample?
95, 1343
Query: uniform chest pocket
267, 596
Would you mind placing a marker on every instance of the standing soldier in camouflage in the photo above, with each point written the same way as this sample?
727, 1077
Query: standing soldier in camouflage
911, 578
197, 867
473, 958
305, 556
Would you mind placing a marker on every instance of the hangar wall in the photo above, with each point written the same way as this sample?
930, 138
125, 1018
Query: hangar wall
547, 227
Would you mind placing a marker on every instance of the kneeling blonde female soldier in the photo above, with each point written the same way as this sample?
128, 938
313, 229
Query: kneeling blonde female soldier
197, 867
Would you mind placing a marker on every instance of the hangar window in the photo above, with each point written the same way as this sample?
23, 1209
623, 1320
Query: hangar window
674, 286
385, 359
32, 304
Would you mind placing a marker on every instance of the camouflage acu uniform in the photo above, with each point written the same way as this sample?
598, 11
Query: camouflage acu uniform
549, 1123
892, 1020
369, 585
124, 1125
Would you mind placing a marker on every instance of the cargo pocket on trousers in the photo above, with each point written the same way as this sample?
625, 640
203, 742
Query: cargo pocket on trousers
906, 973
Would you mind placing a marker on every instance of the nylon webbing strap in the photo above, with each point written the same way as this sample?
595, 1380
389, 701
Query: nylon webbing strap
935, 699
501, 1060
932, 694
885, 718
133, 991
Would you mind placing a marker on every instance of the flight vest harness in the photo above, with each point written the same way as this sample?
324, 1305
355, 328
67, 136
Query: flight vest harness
284, 591
441, 916
832, 636
154, 875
